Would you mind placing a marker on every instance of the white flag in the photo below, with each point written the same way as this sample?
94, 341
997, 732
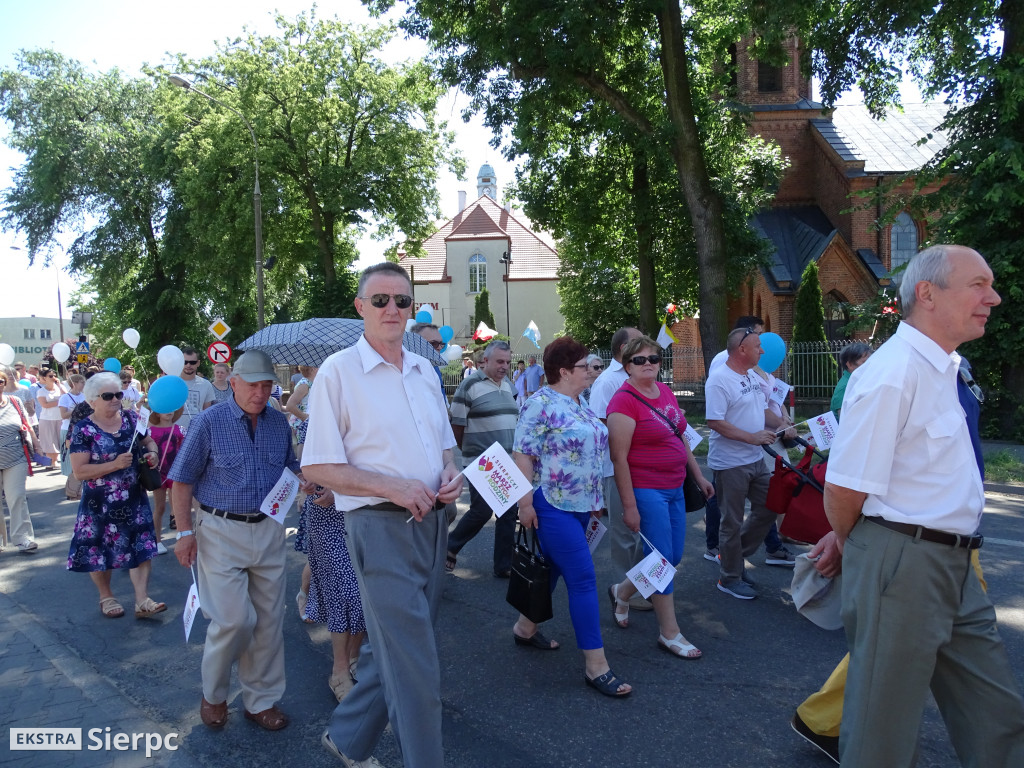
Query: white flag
595, 532
191, 608
142, 423
665, 337
497, 479
692, 436
652, 574
779, 392
824, 429
281, 497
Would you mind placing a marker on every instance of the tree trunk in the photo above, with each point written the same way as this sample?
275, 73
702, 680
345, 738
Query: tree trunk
704, 203
641, 194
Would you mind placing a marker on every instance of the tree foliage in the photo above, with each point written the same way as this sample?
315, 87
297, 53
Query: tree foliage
482, 310
808, 323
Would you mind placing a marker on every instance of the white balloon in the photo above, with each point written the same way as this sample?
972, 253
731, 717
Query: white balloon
131, 337
408, 325
454, 352
171, 360
6, 354
61, 352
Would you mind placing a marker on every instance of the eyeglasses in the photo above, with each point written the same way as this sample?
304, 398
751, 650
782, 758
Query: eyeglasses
597, 367
435, 344
108, 396
640, 359
191, 362
380, 300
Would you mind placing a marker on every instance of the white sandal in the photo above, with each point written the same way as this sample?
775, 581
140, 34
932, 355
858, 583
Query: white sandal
620, 608
677, 647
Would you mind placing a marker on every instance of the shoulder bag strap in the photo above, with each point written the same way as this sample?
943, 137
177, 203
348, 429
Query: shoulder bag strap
673, 427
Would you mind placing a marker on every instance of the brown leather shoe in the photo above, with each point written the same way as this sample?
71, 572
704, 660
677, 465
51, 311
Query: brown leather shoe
213, 715
272, 719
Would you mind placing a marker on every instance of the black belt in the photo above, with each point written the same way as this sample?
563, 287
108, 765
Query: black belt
252, 518
387, 506
930, 534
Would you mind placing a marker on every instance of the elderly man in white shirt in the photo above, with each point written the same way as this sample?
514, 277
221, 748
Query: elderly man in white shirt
904, 495
379, 438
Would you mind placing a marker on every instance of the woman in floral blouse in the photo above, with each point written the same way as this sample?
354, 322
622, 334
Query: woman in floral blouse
114, 528
561, 444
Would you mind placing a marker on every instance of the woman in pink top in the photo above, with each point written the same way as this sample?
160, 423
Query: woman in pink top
651, 459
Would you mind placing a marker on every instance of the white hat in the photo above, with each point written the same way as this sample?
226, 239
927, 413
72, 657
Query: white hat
818, 598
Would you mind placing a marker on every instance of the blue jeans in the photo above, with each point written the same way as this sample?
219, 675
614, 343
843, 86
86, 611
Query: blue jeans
564, 543
713, 521
663, 522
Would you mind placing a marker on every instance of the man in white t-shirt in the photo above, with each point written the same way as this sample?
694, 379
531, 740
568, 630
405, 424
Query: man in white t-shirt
627, 548
200, 391
737, 415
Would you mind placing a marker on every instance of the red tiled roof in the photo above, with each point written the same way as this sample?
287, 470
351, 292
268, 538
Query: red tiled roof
532, 258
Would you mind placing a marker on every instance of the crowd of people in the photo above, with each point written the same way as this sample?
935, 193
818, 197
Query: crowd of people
595, 440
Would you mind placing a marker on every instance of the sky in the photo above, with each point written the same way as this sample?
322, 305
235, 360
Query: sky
104, 34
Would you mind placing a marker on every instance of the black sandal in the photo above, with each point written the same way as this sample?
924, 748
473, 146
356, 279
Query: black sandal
537, 640
608, 684
449, 562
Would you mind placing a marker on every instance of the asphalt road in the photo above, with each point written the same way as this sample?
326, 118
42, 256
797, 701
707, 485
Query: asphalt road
62, 664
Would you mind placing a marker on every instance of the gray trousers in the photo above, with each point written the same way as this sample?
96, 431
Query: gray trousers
917, 618
627, 547
400, 567
739, 538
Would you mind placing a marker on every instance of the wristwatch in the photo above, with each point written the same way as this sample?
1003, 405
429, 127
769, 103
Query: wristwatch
183, 534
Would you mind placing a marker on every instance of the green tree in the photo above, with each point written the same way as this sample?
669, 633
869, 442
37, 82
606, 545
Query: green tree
482, 310
809, 326
514, 55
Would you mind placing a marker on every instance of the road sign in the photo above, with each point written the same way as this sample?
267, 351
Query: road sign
82, 348
83, 359
218, 352
220, 329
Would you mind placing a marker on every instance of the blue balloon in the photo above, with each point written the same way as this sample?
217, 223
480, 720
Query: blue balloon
447, 333
167, 394
774, 352
112, 364
423, 316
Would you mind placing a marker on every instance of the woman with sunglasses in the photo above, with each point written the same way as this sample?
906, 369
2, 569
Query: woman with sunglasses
15, 434
48, 396
651, 459
114, 528
562, 445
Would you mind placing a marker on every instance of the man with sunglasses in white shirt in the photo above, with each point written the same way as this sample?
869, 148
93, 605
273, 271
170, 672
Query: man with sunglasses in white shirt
200, 390
379, 437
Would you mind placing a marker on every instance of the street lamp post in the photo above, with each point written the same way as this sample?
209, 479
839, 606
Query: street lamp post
257, 197
506, 259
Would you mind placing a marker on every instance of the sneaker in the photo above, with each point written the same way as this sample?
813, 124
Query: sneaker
712, 555
370, 762
740, 590
782, 557
28, 546
827, 744
160, 548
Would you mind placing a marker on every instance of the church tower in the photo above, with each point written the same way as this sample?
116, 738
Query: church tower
486, 184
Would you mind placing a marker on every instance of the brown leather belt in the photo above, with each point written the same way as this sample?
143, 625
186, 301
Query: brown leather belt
930, 534
253, 518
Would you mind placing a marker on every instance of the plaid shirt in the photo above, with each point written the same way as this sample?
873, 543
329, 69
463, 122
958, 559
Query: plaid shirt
230, 468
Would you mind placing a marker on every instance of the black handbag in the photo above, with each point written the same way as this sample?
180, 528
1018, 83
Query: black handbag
529, 584
692, 494
149, 477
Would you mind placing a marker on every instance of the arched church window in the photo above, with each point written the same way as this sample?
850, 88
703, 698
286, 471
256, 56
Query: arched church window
477, 273
903, 242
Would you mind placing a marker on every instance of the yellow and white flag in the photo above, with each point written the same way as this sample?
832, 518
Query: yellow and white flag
665, 337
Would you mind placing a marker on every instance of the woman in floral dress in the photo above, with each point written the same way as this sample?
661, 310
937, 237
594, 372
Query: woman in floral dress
562, 445
114, 528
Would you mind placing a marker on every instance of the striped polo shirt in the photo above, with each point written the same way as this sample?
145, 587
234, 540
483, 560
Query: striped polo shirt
488, 412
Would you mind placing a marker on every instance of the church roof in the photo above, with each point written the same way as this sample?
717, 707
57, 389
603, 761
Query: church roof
484, 219
889, 145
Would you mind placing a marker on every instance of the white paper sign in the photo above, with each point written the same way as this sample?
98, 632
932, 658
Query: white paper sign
824, 429
652, 574
497, 479
693, 438
191, 609
142, 423
281, 497
779, 392
595, 532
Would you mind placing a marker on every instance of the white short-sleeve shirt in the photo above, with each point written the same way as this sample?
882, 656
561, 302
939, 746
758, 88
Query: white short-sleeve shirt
904, 441
368, 413
605, 385
736, 398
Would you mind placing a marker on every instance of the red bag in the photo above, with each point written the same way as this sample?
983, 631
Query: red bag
797, 493
26, 430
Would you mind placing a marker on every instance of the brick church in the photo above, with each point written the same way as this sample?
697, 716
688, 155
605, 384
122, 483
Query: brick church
817, 215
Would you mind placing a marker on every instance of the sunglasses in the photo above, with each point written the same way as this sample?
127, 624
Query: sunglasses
640, 359
438, 345
108, 396
597, 367
747, 332
191, 362
973, 386
380, 300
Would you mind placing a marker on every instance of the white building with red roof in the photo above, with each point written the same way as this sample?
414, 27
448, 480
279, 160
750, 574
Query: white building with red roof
470, 252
